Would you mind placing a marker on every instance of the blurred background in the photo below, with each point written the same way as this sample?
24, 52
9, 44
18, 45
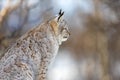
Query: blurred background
93, 49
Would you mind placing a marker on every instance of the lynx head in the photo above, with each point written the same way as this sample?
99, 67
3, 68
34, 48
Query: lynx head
60, 27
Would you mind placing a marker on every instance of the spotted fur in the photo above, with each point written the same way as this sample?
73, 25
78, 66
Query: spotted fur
31, 55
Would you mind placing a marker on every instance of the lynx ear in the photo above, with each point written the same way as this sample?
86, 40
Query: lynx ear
54, 23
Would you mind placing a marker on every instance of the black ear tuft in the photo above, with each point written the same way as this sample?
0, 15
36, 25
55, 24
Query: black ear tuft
60, 14
60, 11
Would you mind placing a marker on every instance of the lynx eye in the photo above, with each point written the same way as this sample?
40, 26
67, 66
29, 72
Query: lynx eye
65, 36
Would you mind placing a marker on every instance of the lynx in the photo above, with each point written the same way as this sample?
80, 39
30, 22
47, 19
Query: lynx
29, 58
